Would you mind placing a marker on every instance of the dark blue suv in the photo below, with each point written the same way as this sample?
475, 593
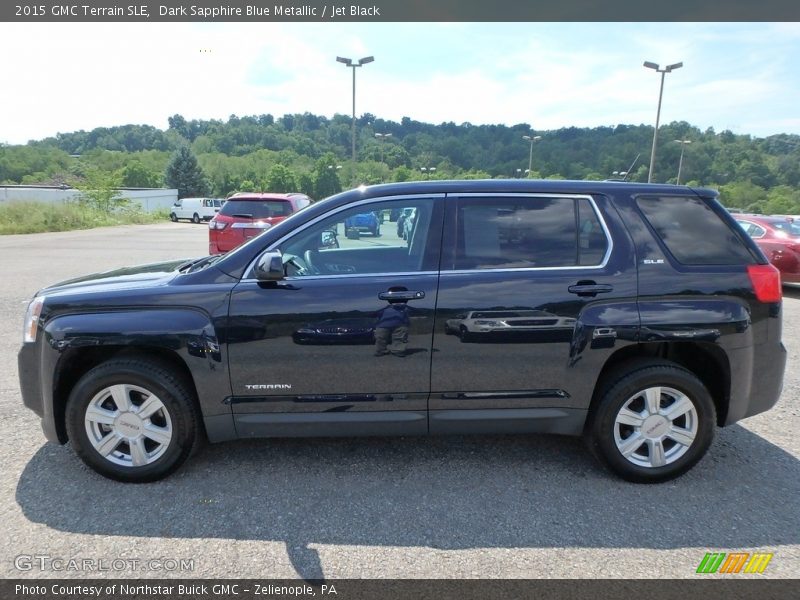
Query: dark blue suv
640, 317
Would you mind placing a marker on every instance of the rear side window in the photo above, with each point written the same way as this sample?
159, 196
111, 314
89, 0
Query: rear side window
528, 232
692, 232
789, 227
256, 209
751, 229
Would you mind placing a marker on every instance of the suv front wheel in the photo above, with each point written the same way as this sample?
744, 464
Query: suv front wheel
653, 422
132, 420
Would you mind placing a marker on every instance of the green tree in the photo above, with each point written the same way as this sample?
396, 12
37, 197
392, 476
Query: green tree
326, 177
136, 174
782, 200
99, 190
403, 174
185, 175
306, 184
281, 179
743, 194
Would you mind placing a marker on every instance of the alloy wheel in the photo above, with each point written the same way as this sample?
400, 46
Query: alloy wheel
128, 425
656, 426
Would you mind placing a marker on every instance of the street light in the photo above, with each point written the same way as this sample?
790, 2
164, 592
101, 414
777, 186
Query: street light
664, 71
382, 137
348, 62
680, 162
428, 171
531, 139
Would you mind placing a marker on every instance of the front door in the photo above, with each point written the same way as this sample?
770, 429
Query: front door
343, 345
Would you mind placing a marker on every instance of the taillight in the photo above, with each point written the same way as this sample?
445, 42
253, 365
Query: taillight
766, 280
212, 224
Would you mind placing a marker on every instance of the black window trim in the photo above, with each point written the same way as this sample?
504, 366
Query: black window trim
500, 195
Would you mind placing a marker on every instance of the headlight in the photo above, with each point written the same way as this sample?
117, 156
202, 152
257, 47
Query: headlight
32, 319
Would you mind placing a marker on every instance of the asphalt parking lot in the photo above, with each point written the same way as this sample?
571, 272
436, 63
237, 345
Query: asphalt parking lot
454, 507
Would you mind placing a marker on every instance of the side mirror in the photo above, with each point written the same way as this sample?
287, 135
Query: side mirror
328, 239
270, 267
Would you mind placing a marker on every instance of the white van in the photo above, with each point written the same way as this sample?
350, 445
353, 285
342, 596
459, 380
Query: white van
196, 209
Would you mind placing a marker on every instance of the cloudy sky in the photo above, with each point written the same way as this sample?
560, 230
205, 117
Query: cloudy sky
66, 77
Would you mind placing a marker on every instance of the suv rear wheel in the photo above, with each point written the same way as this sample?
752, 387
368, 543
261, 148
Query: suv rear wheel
132, 420
653, 422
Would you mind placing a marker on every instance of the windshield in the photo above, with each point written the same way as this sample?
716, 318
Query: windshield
257, 209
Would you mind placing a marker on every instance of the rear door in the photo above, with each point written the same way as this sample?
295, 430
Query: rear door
518, 274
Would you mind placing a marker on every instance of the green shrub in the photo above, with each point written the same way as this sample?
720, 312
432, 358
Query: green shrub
37, 217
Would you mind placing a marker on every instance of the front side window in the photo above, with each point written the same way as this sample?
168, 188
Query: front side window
363, 240
526, 232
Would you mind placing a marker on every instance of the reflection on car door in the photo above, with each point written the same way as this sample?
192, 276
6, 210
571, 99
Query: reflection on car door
342, 345
517, 272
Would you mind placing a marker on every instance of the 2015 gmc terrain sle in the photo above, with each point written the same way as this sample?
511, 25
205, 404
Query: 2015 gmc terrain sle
639, 316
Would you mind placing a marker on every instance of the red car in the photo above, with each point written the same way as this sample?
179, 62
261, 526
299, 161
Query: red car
779, 239
247, 214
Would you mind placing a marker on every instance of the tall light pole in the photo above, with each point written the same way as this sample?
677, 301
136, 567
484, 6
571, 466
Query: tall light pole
531, 139
382, 137
680, 162
348, 62
664, 71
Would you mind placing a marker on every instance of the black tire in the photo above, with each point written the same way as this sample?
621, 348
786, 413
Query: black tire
464, 334
195, 218
173, 217
178, 405
625, 388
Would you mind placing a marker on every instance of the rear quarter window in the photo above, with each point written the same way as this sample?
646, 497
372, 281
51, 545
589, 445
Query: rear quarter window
692, 232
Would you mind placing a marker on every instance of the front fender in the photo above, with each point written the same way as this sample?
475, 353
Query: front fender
188, 333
